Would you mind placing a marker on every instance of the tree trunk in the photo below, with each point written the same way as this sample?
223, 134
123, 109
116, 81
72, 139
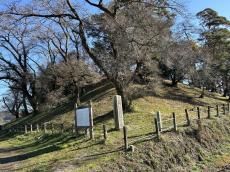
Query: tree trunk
25, 105
78, 95
225, 92
138, 76
17, 115
213, 89
174, 81
202, 93
35, 107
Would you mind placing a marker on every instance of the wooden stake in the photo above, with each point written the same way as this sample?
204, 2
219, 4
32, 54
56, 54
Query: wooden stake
159, 121
45, 129
157, 128
209, 112
104, 132
217, 111
38, 128
52, 128
25, 127
187, 117
198, 112
174, 122
62, 128
224, 112
125, 132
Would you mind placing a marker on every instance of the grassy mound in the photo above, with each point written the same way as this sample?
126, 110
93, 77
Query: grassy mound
188, 149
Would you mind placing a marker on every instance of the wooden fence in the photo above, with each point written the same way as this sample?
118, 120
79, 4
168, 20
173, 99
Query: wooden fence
46, 128
160, 125
173, 124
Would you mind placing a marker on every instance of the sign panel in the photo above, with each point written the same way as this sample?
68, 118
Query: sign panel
83, 117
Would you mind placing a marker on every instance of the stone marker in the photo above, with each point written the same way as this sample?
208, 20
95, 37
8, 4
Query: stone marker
118, 112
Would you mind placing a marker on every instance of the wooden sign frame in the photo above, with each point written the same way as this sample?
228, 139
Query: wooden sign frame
90, 126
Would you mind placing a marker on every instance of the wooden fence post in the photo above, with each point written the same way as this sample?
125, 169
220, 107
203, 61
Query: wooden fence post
45, 129
104, 132
31, 127
199, 124
25, 127
52, 128
187, 117
224, 112
62, 128
209, 112
174, 122
159, 121
198, 112
157, 128
125, 132
38, 129
217, 111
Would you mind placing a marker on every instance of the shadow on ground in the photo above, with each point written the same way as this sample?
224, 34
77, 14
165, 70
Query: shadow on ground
45, 144
29, 155
103, 118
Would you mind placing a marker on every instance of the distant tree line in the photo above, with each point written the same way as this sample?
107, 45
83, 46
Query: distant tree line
51, 50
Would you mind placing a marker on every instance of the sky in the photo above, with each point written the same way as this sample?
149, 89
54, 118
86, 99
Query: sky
221, 6
193, 6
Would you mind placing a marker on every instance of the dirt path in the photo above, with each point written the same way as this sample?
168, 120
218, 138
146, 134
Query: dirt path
8, 159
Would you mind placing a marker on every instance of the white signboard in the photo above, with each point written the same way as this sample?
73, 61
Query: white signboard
83, 117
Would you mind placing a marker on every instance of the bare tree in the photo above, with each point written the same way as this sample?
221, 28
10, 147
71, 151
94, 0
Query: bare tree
65, 80
13, 102
179, 60
17, 43
126, 47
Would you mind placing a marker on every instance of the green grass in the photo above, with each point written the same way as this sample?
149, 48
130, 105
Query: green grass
49, 152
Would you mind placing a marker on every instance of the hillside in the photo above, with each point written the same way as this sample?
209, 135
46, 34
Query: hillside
188, 149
